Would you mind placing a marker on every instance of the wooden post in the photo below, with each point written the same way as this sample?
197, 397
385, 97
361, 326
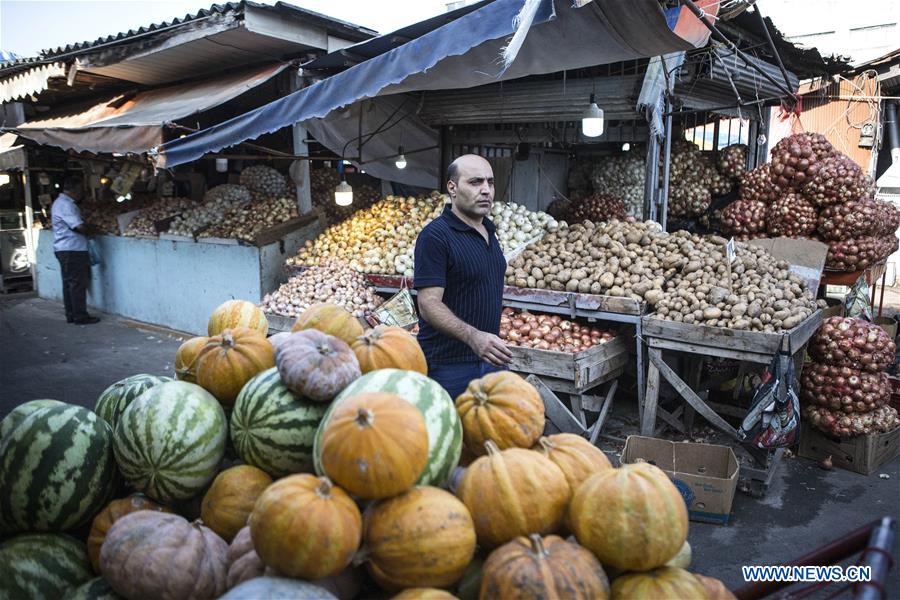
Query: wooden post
300, 168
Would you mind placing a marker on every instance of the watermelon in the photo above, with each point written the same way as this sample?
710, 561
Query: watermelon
95, 589
19, 413
56, 470
169, 441
272, 428
441, 418
119, 395
42, 565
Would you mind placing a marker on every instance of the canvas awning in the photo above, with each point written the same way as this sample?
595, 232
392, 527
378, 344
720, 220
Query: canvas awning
463, 53
12, 155
133, 123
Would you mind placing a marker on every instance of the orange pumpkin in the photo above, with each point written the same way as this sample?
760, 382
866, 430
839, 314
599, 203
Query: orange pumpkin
303, 526
632, 518
237, 313
501, 407
330, 319
535, 568
375, 445
186, 359
389, 348
423, 537
715, 589
230, 360
512, 493
424, 594
664, 582
114, 511
230, 499
575, 456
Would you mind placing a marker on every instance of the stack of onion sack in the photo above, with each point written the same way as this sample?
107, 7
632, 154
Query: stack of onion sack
596, 207
845, 390
549, 332
694, 179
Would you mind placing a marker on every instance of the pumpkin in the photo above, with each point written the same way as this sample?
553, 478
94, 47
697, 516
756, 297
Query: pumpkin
424, 594
232, 314
682, 558
272, 587
501, 407
576, 457
330, 319
715, 589
188, 560
243, 561
230, 360
423, 537
664, 582
114, 511
231, 497
470, 582
536, 568
186, 358
387, 347
375, 445
631, 518
514, 492
303, 526
316, 365
277, 338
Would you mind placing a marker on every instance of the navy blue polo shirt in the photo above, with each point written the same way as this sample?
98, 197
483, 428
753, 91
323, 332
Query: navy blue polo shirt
454, 256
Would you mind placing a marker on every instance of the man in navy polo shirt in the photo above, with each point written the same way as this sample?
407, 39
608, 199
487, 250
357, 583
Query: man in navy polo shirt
459, 275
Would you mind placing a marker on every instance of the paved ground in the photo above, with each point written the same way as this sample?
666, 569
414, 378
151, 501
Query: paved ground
43, 357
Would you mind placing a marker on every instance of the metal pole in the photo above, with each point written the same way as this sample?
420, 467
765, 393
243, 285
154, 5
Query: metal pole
667, 155
651, 178
877, 556
762, 23
731, 46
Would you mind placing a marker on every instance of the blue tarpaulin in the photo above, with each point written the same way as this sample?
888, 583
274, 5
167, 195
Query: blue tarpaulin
461, 54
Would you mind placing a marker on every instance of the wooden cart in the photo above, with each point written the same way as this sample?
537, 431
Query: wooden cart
746, 346
581, 375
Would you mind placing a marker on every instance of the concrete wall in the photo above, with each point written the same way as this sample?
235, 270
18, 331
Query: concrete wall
173, 284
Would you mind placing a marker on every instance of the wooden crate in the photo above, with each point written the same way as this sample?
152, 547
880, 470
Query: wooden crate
279, 323
757, 342
574, 301
860, 454
584, 369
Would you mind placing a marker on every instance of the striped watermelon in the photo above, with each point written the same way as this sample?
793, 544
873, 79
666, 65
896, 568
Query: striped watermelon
272, 428
42, 565
441, 418
170, 440
19, 413
56, 470
119, 395
95, 589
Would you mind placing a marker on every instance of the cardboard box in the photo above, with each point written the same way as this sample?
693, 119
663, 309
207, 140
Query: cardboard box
705, 474
805, 257
861, 454
889, 325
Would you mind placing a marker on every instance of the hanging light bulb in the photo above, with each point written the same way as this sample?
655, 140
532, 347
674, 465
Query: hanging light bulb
626, 147
343, 194
221, 165
592, 120
401, 160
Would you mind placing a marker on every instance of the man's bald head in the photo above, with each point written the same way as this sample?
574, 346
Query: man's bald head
465, 162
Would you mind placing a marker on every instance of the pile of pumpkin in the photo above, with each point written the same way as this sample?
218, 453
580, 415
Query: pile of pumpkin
339, 453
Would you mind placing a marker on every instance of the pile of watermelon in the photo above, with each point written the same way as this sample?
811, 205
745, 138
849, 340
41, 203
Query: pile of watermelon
162, 442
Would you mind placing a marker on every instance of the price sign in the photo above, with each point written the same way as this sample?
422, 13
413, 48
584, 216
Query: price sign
729, 251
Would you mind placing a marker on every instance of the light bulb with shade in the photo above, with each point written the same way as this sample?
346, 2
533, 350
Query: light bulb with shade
592, 120
343, 194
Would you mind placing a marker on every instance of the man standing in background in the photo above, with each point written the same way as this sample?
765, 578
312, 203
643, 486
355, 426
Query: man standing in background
70, 245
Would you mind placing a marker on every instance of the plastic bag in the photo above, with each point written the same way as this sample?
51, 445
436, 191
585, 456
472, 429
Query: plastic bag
399, 310
773, 420
856, 302
94, 253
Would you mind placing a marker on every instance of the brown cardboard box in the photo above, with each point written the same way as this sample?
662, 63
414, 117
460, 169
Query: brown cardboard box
889, 325
705, 474
861, 454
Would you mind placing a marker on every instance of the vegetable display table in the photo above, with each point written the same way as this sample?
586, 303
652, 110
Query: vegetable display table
745, 346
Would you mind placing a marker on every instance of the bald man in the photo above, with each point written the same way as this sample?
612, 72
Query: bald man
459, 275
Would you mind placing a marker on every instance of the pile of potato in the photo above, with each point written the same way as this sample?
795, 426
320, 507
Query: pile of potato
145, 222
246, 222
684, 276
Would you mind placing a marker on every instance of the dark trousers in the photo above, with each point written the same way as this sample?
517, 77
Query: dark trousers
76, 272
455, 377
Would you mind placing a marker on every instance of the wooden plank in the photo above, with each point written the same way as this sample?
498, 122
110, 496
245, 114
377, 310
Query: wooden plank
651, 396
585, 369
564, 386
670, 419
588, 302
543, 362
688, 394
604, 411
273, 234
598, 373
708, 350
805, 330
728, 409
555, 410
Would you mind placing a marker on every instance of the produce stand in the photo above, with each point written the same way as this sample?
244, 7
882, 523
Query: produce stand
746, 346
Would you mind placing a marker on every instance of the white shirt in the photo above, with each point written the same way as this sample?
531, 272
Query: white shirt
65, 217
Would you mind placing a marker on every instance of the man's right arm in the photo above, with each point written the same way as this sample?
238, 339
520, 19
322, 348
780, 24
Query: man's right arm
486, 345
